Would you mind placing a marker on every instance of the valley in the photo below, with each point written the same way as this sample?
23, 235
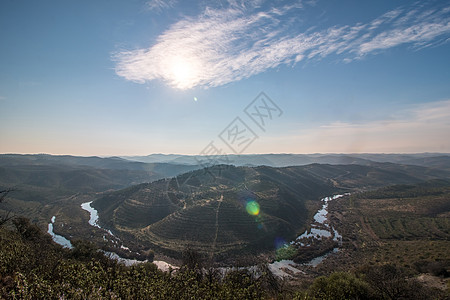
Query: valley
300, 221
207, 210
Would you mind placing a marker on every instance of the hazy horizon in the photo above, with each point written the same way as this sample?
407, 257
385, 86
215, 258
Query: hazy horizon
243, 154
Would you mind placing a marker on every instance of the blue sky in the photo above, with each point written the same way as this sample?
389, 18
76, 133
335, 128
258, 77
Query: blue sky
141, 77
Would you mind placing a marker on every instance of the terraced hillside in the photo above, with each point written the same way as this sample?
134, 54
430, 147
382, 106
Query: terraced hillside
227, 209
407, 225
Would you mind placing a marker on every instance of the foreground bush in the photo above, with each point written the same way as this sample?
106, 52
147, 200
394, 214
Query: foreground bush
339, 285
33, 267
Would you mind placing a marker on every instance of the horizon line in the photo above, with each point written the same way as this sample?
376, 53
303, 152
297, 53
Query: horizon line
231, 154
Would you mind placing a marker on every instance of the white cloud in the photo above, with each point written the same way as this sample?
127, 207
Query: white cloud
229, 44
385, 18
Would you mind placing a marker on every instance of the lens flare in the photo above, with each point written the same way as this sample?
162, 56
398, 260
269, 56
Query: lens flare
252, 208
279, 243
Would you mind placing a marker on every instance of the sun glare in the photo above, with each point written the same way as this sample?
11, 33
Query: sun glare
182, 72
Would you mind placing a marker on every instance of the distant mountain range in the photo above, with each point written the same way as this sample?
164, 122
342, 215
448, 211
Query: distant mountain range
435, 160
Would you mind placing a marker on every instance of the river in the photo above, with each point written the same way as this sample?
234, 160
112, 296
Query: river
320, 228
59, 239
93, 221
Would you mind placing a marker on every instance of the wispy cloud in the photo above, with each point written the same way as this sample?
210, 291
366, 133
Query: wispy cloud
417, 34
159, 5
228, 44
421, 128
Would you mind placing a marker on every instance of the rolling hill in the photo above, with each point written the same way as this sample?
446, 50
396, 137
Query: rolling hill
44, 184
79, 174
225, 209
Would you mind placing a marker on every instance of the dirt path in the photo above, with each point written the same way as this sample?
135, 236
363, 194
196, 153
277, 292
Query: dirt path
217, 226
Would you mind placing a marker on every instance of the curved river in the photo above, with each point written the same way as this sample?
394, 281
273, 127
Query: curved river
93, 221
320, 228
59, 239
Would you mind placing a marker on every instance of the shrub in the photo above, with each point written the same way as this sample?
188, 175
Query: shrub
339, 285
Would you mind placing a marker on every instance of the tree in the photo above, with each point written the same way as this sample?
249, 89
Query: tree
83, 250
27, 230
192, 259
6, 217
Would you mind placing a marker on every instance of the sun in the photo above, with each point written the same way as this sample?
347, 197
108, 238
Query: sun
183, 72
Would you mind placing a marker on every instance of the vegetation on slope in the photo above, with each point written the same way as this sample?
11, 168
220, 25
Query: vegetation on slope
33, 267
206, 209
407, 225
48, 185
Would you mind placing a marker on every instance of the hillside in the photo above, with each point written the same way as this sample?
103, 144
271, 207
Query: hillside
395, 247
46, 184
406, 225
208, 213
33, 267
208, 210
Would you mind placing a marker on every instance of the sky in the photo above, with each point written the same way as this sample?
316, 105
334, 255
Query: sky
224, 77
